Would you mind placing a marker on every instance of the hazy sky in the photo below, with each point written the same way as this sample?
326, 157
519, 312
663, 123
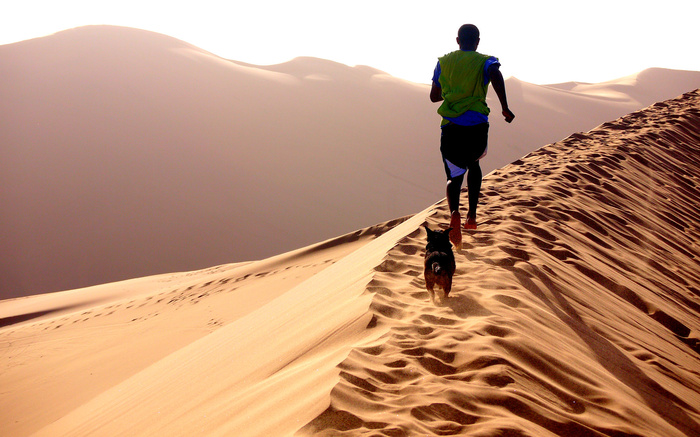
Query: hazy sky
537, 41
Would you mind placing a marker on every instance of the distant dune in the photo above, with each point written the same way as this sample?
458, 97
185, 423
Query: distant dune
575, 312
126, 153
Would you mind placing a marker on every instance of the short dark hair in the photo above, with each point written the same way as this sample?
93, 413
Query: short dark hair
468, 35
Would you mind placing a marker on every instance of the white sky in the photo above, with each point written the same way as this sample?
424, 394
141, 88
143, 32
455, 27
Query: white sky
536, 41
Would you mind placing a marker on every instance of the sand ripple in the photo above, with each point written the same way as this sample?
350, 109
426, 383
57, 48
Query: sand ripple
576, 305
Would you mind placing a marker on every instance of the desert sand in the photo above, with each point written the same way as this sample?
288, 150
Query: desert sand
575, 312
125, 153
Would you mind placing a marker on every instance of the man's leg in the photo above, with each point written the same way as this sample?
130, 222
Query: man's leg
474, 177
454, 189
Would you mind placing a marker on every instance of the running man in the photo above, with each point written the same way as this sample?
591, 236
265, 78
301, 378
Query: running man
461, 80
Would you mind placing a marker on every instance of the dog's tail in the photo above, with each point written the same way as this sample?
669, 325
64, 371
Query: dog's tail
436, 267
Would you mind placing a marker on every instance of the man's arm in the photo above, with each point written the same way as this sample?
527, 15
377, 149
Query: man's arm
435, 93
500, 87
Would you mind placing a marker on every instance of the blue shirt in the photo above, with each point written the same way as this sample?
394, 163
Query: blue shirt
469, 118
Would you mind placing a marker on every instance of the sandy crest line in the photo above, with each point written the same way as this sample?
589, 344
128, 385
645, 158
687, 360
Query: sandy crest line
571, 313
265, 361
42, 307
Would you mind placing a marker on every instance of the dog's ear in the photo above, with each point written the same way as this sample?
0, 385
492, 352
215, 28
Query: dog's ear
431, 235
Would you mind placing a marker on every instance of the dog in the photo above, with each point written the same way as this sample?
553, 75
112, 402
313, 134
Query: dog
440, 263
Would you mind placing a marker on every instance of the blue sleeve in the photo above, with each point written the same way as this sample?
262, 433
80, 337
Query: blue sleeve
489, 62
436, 74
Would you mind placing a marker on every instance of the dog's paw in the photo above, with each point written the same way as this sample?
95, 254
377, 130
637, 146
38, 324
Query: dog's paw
438, 298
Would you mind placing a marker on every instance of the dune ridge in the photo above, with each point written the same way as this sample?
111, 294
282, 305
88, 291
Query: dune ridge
137, 322
575, 308
125, 153
232, 381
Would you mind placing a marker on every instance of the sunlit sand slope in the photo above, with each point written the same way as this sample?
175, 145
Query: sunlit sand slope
575, 308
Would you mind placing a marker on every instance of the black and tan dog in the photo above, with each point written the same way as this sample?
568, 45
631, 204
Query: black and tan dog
439, 263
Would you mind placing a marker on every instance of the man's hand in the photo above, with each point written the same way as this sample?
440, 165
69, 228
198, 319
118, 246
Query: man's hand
508, 115
500, 87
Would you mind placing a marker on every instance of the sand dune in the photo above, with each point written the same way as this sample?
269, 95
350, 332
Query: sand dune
579, 303
143, 321
125, 153
575, 311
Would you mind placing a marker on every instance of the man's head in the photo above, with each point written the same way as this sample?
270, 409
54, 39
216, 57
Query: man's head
468, 37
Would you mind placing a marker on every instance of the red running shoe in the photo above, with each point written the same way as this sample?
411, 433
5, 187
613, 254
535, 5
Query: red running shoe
470, 223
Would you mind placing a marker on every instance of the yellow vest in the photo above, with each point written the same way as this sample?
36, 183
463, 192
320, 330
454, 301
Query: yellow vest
462, 83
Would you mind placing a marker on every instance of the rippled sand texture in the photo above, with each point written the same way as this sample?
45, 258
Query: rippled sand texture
575, 308
575, 311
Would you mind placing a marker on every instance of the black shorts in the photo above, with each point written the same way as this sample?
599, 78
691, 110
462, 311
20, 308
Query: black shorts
462, 146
